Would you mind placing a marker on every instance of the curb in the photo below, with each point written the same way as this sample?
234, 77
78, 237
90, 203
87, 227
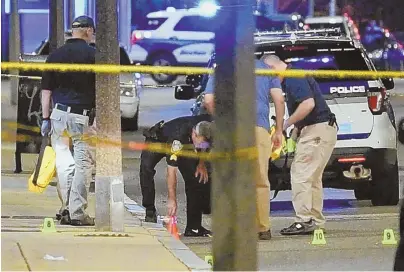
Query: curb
176, 247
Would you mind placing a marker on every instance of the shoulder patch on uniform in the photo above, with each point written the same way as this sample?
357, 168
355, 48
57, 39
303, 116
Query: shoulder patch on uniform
173, 158
176, 146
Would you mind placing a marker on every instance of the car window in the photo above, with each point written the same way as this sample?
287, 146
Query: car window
194, 23
151, 23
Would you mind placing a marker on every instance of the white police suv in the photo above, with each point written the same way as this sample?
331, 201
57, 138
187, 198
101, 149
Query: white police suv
365, 156
185, 37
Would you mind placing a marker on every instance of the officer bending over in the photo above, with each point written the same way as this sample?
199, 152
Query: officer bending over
310, 114
73, 96
188, 133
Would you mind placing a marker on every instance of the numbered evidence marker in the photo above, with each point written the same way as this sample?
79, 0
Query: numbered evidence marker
388, 237
48, 225
209, 259
318, 237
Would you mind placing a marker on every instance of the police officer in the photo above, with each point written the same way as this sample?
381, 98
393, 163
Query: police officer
183, 133
265, 87
310, 114
73, 96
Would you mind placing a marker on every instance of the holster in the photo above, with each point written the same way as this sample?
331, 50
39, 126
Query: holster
154, 133
332, 121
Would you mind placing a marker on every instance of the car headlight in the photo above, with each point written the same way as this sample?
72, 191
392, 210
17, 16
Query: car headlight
128, 90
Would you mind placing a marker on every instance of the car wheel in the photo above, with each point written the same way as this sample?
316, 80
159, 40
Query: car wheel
163, 60
363, 192
385, 186
131, 124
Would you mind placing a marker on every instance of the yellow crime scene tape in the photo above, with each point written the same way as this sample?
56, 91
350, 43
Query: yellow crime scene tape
117, 69
244, 153
248, 153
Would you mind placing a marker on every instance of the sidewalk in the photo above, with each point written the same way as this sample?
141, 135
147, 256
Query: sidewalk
143, 246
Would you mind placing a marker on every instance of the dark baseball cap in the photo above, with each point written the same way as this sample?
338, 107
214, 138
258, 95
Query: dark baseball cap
83, 21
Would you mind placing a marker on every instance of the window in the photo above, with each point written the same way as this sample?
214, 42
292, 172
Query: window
194, 23
151, 23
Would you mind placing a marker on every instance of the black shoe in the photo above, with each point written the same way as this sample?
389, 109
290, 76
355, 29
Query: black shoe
87, 221
151, 217
199, 232
265, 235
299, 228
65, 218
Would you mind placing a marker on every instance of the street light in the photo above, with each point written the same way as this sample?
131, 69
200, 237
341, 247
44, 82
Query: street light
208, 8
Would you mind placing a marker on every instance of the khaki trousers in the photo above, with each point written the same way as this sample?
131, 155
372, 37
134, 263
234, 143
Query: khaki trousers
313, 151
263, 141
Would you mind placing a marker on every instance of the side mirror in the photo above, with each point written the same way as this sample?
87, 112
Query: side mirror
184, 92
388, 83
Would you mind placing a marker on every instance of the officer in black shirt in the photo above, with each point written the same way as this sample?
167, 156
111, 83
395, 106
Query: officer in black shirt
73, 97
192, 133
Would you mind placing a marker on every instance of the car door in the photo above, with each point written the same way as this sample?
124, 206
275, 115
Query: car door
194, 27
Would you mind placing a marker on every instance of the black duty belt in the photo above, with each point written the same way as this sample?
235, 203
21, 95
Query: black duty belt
73, 109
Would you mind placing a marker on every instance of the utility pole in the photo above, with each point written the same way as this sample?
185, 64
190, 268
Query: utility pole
233, 187
109, 190
56, 24
14, 49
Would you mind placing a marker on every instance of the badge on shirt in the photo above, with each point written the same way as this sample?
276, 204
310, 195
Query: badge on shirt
176, 146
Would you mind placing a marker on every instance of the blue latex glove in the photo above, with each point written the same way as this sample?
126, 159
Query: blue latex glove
46, 127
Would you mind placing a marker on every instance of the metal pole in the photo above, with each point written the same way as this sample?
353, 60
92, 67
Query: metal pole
311, 8
14, 49
333, 6
125, 13
109, 209
71, 12
233, 189
56, 24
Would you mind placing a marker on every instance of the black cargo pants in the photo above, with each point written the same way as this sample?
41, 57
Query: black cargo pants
197, 194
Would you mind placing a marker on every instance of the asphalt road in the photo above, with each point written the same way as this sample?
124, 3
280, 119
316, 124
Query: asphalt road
354, 228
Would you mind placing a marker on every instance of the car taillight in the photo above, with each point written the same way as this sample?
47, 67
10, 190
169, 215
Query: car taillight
376, 100
135, 37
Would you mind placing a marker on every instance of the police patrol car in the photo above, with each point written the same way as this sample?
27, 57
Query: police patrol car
184, 37
365, 156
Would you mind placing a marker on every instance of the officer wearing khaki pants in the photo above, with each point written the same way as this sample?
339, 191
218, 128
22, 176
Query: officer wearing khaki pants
265, 87
310, 114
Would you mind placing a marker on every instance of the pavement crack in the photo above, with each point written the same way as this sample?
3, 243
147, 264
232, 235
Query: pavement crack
23, 256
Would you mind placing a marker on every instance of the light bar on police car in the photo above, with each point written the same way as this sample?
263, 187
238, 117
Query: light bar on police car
298, 32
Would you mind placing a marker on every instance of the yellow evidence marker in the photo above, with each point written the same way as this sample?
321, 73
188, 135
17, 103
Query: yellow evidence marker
209, 259
388, 237
48, 225
318, 237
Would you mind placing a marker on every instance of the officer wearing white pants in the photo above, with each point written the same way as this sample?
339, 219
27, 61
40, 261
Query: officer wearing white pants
73, 96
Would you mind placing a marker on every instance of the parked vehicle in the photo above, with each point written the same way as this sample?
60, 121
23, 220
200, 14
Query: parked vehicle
365, 156
185, 37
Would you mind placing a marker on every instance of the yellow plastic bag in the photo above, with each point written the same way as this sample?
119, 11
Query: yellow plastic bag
45, 169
